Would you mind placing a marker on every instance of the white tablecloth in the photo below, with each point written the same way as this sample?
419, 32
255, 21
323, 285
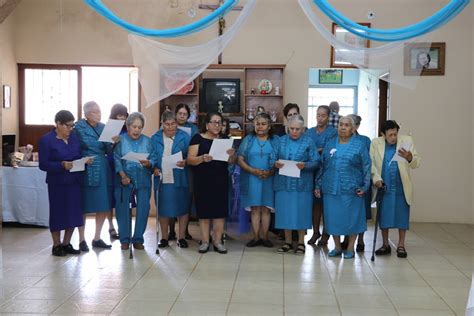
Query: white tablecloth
25, 196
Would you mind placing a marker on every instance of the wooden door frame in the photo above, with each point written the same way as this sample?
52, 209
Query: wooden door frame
384, 94
36, 131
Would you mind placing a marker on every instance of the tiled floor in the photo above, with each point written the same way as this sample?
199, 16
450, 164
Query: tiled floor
433, 280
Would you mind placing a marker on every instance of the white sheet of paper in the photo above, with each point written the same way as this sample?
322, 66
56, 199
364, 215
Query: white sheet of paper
289, 169
136, 157
397, 157
185, 129
79, 164
219, 149
169, 162
111, 129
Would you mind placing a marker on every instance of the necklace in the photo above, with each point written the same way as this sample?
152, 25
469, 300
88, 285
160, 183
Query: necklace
261, 146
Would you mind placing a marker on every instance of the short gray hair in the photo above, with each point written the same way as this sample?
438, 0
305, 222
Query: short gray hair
348, 117
87, 108
334, 106
133, 116
356, 118
168, 115
296, 119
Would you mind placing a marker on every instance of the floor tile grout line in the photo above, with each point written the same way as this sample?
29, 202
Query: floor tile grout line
185, 282
440, 225
421, 276
325, 260
235, 281
135, 283
381, 283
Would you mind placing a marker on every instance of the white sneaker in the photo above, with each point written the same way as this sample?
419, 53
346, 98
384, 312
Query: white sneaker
204, 247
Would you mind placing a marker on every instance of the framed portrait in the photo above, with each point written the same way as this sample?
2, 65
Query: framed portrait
343, 35
7, 97
424, 59
330, 76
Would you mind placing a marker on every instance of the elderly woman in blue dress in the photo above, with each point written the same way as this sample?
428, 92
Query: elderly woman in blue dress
320, 134
343, 181
257, 155
183, 112
57, 149
97, 188
393, 156
133, 175
174, 197
293, 196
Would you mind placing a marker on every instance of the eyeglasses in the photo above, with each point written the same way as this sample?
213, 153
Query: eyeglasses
292, 114
70, 126
215, 123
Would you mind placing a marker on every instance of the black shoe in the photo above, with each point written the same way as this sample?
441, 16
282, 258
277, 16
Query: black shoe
182, 243
267, 243
345, 243
83, 246
172, 236
59, 251
360, 248
254, 243
100, 244
384, 250
163, 243
70, 250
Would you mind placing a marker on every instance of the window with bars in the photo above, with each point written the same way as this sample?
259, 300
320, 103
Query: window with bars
345, 96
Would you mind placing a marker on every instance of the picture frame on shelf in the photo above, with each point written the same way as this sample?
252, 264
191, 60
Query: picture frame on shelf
424, 59
7, 96
347, 37
330, 76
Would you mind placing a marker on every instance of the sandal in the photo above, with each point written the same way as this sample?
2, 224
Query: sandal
300, 249
384, 250
401, 252
360, 247
285, 248
314, 238
113, 234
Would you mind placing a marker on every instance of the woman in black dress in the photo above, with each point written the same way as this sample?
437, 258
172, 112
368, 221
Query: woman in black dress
210, 183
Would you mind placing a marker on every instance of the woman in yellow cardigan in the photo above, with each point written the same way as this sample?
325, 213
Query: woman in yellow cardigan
392, 157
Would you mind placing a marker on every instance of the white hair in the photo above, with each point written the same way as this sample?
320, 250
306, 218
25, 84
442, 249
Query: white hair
296, 119
89, 106
349, 118
133, 116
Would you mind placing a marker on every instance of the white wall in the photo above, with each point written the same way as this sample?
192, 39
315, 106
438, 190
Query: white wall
9, 76
438, 112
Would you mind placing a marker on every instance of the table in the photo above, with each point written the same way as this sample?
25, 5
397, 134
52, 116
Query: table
25, 196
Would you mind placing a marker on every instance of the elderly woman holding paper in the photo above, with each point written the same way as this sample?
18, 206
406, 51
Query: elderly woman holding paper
170, 151
297, 160
211, 179
57, 149
134, 171
343, 181
97, 187
393, 156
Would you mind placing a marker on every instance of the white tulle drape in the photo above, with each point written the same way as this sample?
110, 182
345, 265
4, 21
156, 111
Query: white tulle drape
385, 61
165, 69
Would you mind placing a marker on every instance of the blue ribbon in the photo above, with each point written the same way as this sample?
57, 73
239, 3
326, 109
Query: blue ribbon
443, 16
198, 25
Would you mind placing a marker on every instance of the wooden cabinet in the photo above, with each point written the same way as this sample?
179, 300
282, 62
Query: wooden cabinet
251, 95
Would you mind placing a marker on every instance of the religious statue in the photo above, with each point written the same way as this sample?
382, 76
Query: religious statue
220, 107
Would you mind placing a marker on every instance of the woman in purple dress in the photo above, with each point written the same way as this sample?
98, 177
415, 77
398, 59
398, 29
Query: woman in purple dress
57, 150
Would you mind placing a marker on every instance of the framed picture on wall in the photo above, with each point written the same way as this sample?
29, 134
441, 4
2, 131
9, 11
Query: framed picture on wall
424, 59
347, 37
7, 97
330, 76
